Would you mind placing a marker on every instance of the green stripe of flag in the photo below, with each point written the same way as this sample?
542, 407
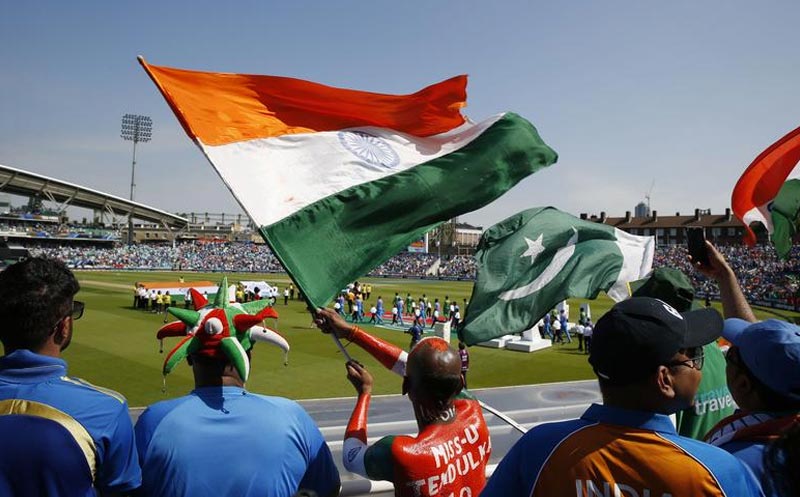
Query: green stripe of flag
533, 260
342, 237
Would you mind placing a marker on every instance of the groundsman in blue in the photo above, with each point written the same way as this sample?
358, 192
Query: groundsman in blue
59, 436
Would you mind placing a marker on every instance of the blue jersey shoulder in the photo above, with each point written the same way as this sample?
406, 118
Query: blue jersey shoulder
731, 472
89, 388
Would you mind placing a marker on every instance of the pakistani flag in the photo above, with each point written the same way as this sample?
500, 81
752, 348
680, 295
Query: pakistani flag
340, 180
535, 259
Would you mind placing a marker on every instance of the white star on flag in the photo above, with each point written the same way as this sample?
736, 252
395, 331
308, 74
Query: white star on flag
534, 248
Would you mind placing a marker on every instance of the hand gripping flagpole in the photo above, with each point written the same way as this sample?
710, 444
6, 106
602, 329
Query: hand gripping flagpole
333, 335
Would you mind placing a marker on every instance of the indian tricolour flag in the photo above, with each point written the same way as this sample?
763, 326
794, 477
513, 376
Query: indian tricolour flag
340, 180
762, 193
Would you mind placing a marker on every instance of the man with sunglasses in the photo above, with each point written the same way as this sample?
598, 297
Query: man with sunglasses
58, 435
648, 360
713, 401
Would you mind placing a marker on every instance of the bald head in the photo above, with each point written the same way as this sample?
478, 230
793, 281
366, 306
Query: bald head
434, 372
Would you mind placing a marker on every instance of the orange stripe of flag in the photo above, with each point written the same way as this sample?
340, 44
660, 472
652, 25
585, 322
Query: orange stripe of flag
762, 180
221, 108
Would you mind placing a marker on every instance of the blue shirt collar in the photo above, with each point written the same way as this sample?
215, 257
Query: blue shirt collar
25, 366
225, 391
644, 420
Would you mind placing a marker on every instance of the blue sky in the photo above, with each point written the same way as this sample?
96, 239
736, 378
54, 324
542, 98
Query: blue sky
684, 93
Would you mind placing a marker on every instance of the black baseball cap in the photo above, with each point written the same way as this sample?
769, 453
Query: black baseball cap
639, 334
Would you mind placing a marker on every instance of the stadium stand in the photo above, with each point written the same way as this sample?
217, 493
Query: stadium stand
766, 280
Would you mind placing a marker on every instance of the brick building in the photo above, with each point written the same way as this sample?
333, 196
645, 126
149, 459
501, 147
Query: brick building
721, 229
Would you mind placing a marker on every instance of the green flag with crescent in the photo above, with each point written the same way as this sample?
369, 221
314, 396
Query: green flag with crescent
535, 259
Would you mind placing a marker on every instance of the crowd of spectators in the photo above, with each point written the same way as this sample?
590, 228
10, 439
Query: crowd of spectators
647, 354
235, 257
406, 264
763, 276
458, 266
55, 230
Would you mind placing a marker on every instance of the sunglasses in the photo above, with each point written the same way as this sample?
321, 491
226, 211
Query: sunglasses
77, 310
75, 313
695, 362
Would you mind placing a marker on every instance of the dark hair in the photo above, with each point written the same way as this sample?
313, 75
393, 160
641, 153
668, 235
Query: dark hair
34, 295
213, 366
781, 460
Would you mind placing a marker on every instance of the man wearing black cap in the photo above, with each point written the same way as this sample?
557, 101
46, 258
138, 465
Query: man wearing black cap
713, 401
648, 360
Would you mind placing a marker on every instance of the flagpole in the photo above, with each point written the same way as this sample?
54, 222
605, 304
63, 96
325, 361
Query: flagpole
333, 335
341, 347
502, 416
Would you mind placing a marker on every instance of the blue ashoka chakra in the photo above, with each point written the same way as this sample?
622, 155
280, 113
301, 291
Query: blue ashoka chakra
369, 148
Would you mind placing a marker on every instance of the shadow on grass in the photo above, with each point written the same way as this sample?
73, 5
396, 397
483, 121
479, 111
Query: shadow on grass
568, 349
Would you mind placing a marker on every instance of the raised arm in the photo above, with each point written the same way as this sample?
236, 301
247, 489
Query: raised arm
391, 356
355, 436
734, 303
374, 462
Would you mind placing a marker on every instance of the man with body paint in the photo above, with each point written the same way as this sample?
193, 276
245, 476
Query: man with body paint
448, 456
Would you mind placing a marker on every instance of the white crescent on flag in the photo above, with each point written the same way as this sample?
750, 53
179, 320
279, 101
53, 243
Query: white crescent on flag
556, 265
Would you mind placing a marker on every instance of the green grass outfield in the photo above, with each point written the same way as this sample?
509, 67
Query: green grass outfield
115, 346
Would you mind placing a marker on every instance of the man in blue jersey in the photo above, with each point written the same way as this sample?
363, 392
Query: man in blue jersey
58, 435
647, 357
416, 335
223, 440
763, 370
379, 310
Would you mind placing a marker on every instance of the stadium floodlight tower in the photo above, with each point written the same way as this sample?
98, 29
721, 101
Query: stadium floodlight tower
137, 129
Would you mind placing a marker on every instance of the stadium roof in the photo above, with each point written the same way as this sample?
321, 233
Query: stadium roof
19, 182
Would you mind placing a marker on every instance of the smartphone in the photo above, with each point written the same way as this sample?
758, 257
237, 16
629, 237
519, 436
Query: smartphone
696, 241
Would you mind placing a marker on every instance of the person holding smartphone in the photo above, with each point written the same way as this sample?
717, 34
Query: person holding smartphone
762, 370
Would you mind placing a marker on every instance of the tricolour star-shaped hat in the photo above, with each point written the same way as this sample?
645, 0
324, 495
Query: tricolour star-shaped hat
221, 329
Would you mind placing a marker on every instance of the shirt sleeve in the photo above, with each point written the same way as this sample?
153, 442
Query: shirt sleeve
321, 475
143, 432
119, 470
378, 461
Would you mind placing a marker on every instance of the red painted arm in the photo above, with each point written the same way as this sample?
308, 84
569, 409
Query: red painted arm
391, 356
357, 426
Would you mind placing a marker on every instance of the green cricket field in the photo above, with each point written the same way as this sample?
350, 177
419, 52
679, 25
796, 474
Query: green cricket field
114, 345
